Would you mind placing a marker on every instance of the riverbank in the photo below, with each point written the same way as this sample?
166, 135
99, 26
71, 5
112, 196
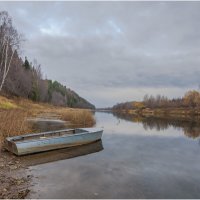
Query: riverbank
15, 112
14, 180
14, 115
181, 113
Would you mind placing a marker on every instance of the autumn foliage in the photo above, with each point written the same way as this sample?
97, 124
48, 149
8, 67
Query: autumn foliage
191, 100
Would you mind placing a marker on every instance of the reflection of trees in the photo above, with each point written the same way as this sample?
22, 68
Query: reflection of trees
193, 132
158, 124
190, 127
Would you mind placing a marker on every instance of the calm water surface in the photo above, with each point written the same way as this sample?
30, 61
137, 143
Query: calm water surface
134, 160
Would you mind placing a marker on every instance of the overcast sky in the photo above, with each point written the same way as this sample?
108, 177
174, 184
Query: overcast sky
111, 52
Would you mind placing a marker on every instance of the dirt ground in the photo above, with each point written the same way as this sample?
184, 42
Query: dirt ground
14, 180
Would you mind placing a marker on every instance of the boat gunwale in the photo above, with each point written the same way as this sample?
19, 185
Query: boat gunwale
35, 134
49, 138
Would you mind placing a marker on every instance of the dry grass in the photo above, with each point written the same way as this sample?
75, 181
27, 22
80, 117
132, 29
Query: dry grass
13, 122
7, 103
14, 112
79, 117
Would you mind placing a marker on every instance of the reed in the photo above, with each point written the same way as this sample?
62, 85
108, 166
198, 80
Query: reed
79, 117
14, 112
13, 122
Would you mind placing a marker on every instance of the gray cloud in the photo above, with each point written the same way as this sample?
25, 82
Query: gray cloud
113, 51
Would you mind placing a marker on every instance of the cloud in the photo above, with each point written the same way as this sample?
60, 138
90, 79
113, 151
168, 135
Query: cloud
113, 49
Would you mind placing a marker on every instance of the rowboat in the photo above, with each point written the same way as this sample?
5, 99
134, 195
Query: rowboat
45, 141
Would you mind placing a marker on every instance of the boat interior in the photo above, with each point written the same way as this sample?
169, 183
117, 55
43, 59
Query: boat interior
47, 135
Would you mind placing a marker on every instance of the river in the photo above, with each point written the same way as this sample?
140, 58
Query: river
134, 160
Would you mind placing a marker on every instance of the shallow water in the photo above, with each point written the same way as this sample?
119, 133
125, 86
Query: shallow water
134, 161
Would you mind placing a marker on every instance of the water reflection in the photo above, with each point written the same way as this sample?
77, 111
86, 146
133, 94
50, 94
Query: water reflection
42, 124
135, 164
190, 127
61, 154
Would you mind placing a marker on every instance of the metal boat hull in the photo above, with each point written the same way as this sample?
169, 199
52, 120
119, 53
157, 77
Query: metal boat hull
61, 154
45, 144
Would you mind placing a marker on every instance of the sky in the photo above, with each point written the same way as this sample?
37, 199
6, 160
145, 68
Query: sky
110, 52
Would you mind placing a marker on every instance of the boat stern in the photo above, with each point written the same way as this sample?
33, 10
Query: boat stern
11, 146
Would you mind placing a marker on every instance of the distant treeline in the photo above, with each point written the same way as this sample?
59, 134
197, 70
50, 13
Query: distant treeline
191, 99
24, 79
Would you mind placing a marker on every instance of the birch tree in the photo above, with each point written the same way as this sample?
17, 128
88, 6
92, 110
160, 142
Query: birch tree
9, 44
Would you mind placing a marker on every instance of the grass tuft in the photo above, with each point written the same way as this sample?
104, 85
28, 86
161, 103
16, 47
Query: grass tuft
79, 117
13, 122
7, 104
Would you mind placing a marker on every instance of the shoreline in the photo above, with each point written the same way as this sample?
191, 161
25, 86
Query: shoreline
14, 178
179, 113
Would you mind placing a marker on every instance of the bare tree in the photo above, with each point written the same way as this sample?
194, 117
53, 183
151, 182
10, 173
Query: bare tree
43, 90
57, 99
36, 78
19, 80
9, 44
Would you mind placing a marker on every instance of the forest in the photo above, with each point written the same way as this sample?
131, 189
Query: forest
191, 100
22, 78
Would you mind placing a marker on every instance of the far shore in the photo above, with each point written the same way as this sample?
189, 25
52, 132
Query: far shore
181, 113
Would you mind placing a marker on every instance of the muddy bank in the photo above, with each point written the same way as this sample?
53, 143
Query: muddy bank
14, 178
